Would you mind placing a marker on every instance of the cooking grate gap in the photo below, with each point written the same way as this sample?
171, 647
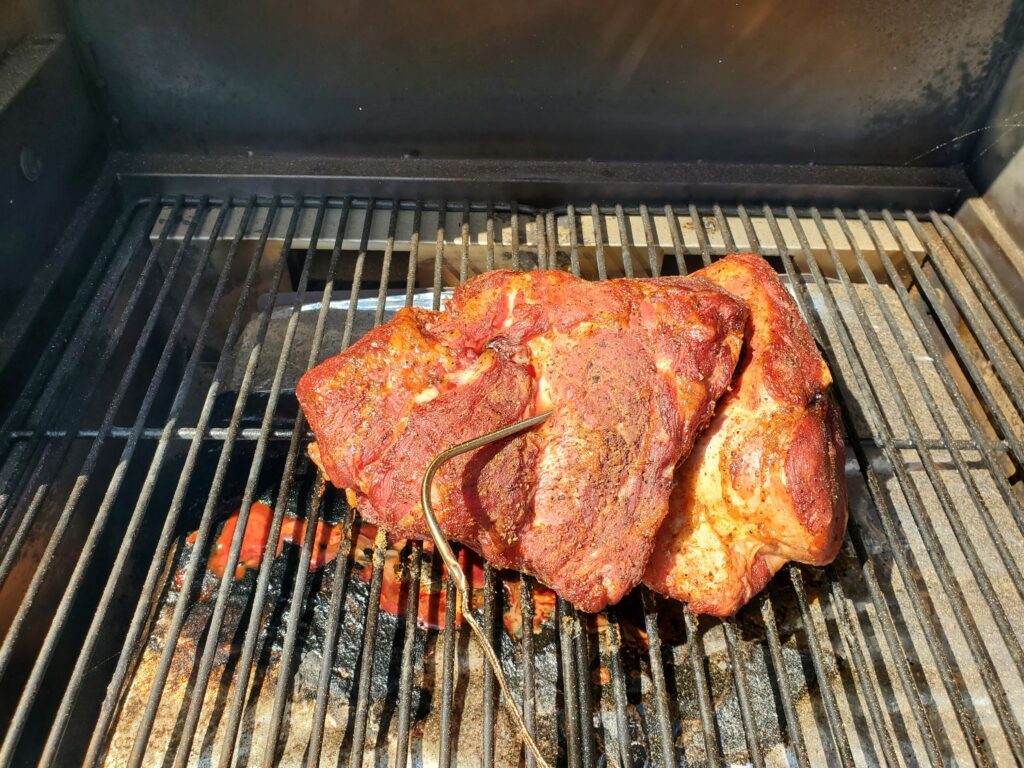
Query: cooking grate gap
903, 650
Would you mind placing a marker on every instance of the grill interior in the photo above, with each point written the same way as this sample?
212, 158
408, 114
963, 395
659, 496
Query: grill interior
164, 401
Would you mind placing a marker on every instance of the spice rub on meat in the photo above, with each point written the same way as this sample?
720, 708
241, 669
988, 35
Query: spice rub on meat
631, 370
765, 482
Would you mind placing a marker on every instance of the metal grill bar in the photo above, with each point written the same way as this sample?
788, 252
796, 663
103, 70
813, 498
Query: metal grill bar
624, 239
652, 253
414, 250
698, 666
130, 646
978, 380
567, 626
385, 269
251, 434
7, 647
855, 616
775, 648
847, 621
950, 585
881, 608
55, 453
270, 755
702, 236
156, 463
97, 285
529, 690
931, 630
542, 256
668, 756
981, 272
439, 259
447, 674
581, 651
723, 228
677, 239
828, 696
489, 608
490, 236
743, 694
947, 503
369, 649
326, 665
405, 684
202, 539
968, 419
515, 236
598, 220
574, 253
464, 237
622, 730
1007, 325
552, 241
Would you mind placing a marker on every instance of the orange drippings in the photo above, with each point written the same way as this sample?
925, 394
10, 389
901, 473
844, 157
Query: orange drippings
543, 605
326, 543
432, 601
432, 604
328, 539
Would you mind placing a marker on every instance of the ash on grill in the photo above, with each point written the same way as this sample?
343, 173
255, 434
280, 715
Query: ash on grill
390, 636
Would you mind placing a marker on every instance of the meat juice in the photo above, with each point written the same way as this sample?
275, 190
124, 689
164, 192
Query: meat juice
327, 544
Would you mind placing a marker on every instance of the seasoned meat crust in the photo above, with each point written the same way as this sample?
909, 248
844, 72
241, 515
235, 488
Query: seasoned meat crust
631, 369
765, 482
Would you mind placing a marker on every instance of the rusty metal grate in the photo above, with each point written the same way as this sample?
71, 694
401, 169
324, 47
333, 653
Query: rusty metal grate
165, 401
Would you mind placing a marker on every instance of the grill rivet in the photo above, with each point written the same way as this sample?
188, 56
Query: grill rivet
30, 162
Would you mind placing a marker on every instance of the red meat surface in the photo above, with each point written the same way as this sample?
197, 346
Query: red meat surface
765, 483
631, 370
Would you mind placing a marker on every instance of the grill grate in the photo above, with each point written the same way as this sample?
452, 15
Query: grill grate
166, 396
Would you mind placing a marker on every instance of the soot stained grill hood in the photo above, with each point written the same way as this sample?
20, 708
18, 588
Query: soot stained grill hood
857, 83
